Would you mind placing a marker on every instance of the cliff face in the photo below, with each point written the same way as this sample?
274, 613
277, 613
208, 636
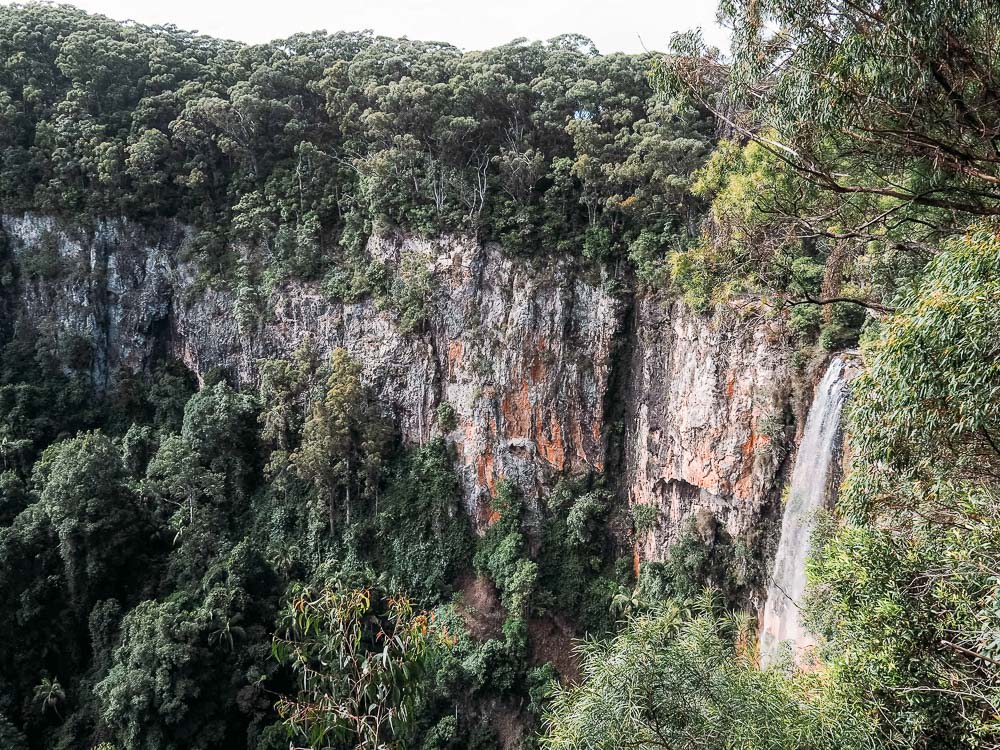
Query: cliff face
548, 370
707, 411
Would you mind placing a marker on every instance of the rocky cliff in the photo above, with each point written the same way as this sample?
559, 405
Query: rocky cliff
708, 419
550, 370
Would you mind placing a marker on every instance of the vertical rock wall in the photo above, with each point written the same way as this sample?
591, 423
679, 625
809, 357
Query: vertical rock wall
708, 406
548, 371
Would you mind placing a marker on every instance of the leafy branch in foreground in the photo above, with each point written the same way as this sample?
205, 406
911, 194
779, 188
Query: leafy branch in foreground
873, 126
677, 683
359, 659
908, 590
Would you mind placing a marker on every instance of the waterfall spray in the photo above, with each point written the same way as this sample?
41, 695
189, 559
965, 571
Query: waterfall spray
807, 495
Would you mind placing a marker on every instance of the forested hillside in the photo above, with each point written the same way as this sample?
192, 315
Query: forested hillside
314, 545
311, 141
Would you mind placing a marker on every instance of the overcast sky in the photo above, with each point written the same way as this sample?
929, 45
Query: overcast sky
614, 25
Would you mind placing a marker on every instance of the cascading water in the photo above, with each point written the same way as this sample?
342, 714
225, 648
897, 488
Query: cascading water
806, 496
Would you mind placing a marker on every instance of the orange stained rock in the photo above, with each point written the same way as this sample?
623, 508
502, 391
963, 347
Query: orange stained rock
699, 468
516, 410
485, 472
743, 487
456, 349
577, 428
595, 430
752, 442
537, 369
578, 441
550, 441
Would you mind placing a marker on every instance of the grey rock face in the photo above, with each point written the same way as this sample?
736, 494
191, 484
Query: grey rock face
111, 286
548, 370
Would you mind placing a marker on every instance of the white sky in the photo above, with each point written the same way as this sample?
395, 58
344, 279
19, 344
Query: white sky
614, 25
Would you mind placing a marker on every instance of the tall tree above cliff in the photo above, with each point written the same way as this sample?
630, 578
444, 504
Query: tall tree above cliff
894, 99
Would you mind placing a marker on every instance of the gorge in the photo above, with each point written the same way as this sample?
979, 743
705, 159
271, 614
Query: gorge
366, 393
541, 365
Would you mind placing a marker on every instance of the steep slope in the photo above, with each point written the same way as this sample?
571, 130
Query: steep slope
548, 369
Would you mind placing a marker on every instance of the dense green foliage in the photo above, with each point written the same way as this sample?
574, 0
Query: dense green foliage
304, 145
360, 662
199, 566
673, 679
694, 562
427, 544
147, 561
857, 195
908, 594
870, 133
903, 583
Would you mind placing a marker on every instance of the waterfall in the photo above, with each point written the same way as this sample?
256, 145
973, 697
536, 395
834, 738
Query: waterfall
806, 496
